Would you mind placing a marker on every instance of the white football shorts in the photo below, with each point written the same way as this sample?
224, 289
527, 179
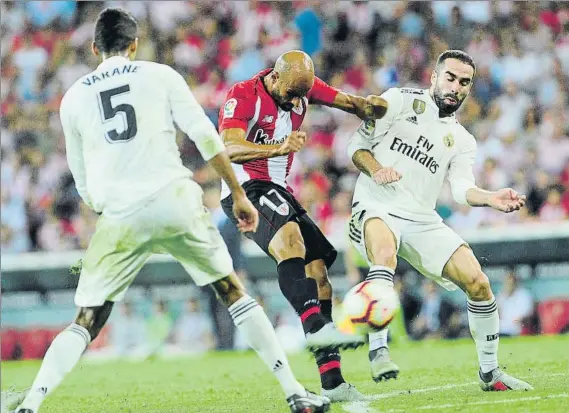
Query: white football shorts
427, 246
174, 222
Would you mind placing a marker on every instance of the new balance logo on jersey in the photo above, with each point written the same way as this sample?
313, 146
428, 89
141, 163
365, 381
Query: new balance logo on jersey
278, 365
416, 152
412, 119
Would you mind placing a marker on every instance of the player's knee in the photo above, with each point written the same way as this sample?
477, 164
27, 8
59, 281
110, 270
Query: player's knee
93, 319
288, 243
383, 255
478, 286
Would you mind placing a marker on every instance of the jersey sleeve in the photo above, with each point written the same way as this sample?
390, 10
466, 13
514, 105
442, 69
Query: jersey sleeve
460, 175
322, 92
371, 132
238, 109
190, 116
74, 146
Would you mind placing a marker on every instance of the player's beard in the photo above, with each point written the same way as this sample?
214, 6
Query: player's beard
286, 106
446, 108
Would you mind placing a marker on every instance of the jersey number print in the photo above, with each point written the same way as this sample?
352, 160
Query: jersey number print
281, 209
110, 111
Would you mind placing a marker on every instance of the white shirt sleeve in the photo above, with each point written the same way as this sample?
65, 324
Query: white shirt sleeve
370, 130
191, 118
460, 175
74, 148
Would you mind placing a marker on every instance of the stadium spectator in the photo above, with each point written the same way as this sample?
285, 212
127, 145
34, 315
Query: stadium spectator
438, 317
192, 330
515, 306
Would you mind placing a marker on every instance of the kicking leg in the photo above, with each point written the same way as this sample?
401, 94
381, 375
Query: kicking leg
287, 247
64, 353
464, 270
252, 321
381, 248
329, 362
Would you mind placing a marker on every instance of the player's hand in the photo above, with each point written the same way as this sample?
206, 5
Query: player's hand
293, 143
386, 176
374, 108
506, 200
246, 214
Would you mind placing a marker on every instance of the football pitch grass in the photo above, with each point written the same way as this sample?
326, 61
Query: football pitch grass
435, 376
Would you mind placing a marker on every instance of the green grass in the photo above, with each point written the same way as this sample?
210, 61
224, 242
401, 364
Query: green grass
237, 382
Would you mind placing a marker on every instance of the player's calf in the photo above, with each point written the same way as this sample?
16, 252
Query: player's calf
287, 247
93, 319
464, 270
64, 353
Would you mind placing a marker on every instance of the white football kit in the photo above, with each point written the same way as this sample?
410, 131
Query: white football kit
121, 146
424, 149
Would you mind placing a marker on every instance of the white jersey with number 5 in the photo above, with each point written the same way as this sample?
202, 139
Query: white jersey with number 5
423, 147
120, 136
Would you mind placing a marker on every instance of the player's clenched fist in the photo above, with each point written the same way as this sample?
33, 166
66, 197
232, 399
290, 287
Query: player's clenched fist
385, 176
375, 107
246, 214
293, 143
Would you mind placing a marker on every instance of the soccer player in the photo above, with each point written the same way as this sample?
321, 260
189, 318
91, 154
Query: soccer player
404, 158
259, 124
119, 130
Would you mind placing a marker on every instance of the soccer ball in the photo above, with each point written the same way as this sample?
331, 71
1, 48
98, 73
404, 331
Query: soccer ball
367, 307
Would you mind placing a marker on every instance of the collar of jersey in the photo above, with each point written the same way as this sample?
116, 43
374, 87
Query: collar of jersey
112, 60
433, 105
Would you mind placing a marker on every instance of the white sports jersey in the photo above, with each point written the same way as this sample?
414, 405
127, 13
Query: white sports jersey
120, 136
422, 147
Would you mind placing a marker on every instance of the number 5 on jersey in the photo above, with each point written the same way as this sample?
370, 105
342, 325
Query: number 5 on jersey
281, 209
127, 114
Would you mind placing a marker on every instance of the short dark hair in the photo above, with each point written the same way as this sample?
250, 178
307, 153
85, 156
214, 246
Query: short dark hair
115, 30
455, 54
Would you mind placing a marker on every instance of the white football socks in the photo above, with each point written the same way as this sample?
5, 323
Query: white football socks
484, 326
252, 321
382, 275
63, 354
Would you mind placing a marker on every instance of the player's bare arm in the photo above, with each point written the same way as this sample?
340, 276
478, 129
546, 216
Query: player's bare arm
246, 214
241, 151
368, 108
365, 162
505, 200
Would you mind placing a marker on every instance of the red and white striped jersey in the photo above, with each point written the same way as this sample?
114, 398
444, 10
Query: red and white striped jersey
250, 107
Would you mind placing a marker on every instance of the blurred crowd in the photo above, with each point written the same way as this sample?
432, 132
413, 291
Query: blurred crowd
518, 109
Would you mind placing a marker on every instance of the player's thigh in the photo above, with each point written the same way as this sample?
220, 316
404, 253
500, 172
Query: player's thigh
196, 243
375, 235
319, 251
464, 270
278, 233
116, 253
428, 247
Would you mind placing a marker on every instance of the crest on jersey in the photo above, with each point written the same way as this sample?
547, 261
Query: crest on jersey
229, 108
283, 209
298, 109
419, 106
448, 140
